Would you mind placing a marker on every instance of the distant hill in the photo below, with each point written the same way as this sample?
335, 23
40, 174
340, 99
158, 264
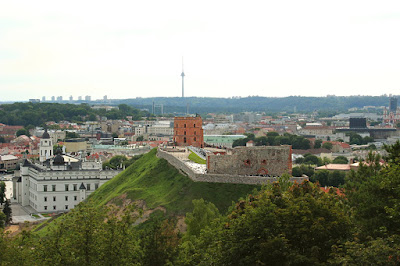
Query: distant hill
36, 114
158, 183
256, 103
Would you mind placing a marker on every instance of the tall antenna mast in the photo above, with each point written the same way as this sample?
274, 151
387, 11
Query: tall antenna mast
183, 75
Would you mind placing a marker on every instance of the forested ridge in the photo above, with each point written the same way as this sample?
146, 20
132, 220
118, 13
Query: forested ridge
202, 105
37, 114
281, 224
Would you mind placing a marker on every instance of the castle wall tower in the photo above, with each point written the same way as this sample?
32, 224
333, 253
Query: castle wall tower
188, 131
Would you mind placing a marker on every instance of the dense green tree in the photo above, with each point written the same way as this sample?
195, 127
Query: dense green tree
36, 114
311, 159
2, 192
159, 242
22, 131
340, 160
201, 216
7, 211
317, 144
276, 227
71, 135
303, 169
374, 192
2, 223
379, 251
327, 145
329, 178
272, 134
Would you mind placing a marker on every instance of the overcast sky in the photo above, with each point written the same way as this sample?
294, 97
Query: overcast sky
127, 49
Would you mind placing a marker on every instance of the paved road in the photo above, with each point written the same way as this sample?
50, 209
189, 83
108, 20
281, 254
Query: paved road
19, 215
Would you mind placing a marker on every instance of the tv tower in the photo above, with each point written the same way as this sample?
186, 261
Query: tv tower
183, 75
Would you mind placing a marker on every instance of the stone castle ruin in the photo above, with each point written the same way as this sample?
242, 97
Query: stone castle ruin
261, 161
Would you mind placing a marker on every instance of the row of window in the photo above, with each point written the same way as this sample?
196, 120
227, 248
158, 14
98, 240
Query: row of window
66, 198
74, 187
55, 207
184, 125
184, 139
184, 133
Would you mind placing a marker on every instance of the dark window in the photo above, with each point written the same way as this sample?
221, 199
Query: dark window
66, 187
45, 188
195, 132
194, 125
54, 207
194, 139
184, 133
184, 140
96, 186
88, 186
45, 208
184, 125
264, 161
54, 198
66, 207
54, 187
75, 187
45, 198
66, 198
75, 198
247, 162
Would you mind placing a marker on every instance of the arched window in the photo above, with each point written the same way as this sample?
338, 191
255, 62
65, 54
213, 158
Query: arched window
194, 125
184, 140
194, 139
184, 125
195, 132
184, 133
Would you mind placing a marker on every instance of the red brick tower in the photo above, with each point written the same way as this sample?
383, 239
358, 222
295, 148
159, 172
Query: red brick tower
188, 131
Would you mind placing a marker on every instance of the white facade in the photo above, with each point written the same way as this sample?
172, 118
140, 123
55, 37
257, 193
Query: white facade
58, 183
55, 188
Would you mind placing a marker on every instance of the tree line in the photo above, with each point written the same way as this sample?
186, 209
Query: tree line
37, 114
274, 139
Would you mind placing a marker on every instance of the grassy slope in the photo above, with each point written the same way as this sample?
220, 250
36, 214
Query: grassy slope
160, 184
195, 158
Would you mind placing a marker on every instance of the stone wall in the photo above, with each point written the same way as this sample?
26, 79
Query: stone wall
219, 178
263, 160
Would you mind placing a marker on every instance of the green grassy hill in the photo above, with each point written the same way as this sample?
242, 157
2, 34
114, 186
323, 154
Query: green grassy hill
158, 183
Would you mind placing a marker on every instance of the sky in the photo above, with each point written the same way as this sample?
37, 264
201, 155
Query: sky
128, 49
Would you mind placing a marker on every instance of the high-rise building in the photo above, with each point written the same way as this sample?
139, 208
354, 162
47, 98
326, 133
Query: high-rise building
71, 98
393, 104
43, 98
53, 98
391, 115
88, 98
105, 97
59, 98
79, 98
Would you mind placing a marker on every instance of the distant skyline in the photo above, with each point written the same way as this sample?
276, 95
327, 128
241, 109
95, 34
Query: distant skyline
128, 49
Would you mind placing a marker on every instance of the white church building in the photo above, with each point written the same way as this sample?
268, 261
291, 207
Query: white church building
57, 182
